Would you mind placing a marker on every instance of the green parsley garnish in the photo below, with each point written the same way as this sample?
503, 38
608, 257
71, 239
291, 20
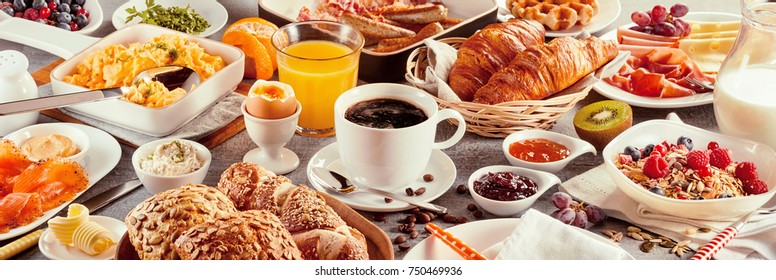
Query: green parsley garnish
175, 18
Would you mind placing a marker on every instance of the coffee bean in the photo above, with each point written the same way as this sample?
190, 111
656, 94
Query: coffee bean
461, 220
448, 218
423, 218
471, 207
420, 191
411, 225
409, 191
409, 228
431, 215
400, 239
461, 189
410, 219
404, 246
477, 214
414, 234
415, 210
428, 177
378, 217
402, 227
388, 200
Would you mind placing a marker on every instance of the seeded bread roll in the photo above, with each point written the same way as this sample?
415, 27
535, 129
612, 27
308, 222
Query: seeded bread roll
318, 231
154, 224
248, 235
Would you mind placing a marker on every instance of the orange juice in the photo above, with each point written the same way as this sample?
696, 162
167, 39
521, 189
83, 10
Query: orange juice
318, 71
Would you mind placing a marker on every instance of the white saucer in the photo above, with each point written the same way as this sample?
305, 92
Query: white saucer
212, 11
440, 165
52, 249
289, 161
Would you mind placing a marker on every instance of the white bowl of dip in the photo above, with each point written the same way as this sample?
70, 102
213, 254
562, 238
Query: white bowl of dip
43, 141
167, 171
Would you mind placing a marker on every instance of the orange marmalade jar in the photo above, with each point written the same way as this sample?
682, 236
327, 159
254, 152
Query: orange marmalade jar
538, 150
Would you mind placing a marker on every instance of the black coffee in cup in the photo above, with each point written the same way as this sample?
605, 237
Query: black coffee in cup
385, 113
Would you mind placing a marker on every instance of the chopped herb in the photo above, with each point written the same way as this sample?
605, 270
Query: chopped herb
173, 54
175, 18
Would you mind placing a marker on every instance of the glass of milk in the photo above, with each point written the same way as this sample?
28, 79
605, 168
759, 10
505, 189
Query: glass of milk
745, 91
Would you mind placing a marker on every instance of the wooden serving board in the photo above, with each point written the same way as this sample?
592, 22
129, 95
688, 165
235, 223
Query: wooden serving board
215, 138
378, 243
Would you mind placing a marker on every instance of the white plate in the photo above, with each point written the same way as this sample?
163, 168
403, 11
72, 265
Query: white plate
616, 93
440, 165
103, 155
608, 11
485, 236
52, 249
212, 11
95, 17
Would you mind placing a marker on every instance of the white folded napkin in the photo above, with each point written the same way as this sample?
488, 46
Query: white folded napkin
541, 237
442, 56
597, 187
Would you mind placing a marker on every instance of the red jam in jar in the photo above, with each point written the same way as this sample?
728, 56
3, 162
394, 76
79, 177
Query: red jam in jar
538, 150
504, 186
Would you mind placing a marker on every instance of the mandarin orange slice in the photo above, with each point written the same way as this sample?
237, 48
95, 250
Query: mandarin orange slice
261, 30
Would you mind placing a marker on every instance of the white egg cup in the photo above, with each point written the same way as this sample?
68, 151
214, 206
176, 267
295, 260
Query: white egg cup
271, 135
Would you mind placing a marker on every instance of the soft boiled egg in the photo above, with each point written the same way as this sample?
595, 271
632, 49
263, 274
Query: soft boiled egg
270, 100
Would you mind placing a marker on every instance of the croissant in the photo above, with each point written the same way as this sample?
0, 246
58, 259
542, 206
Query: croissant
541, 71
317, 230
489, 50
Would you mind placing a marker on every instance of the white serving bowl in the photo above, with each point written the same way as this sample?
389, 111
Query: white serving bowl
95, 17
656, 131
76, 135
575, 146
157, 183
542, 179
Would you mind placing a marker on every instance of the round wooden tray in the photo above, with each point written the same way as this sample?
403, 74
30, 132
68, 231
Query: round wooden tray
379, 245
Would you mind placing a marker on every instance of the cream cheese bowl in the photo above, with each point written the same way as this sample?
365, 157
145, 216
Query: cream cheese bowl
75, 134
157, 183
657, 131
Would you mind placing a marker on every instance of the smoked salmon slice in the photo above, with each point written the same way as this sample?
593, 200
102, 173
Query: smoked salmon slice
56, 181
19, 209
12, 163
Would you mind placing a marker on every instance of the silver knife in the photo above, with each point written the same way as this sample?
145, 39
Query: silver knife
106, 197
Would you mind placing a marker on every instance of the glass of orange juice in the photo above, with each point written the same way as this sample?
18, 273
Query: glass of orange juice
319, 59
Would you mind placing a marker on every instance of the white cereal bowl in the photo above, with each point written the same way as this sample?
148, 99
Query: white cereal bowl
542, 179
95, 17
75, 134
576, 146
157, 183
656, 131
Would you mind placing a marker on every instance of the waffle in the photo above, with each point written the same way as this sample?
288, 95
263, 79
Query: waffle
555, 14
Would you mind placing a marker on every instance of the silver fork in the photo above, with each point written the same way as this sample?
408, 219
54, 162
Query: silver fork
704, 85
722, 239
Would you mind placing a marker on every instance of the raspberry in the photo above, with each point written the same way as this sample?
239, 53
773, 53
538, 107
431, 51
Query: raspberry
713, 145
18, 14
655, 167
697, 159
755, 187
704, 171
660, 149
6, 4
625, 159
31, 14
720, 158
746, 171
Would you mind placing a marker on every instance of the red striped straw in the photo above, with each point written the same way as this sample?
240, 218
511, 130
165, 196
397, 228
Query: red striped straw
718, 242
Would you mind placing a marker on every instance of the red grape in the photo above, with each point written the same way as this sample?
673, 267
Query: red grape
580, 220
640, 18
679, 10
595, 214
567, 216
659, 14
561, 200
684, 25
665, 29
648, 30
637, 28
678, 30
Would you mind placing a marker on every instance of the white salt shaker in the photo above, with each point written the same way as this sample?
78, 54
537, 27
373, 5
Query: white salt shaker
16, 84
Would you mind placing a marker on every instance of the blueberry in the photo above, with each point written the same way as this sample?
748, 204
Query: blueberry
64, 26
74, 8
63, 8
658, 191
19, 6
37, 4
725, 195
64, 18
65, 2
648, 149
686, 141
633, 152
80, 2
81, 21
8, 10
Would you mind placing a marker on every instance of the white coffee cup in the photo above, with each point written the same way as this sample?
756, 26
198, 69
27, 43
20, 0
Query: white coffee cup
390, 159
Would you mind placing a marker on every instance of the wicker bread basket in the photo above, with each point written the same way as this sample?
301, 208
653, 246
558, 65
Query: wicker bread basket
499, 120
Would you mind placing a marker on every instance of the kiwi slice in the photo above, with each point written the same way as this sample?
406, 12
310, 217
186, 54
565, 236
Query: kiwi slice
599, 122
